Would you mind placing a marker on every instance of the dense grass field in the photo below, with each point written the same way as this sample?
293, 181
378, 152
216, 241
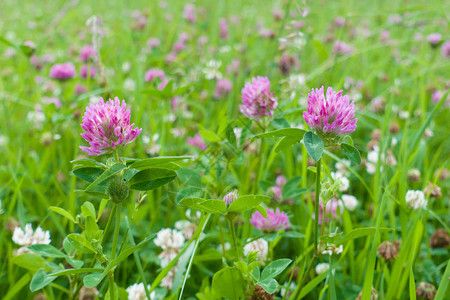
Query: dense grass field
217, 190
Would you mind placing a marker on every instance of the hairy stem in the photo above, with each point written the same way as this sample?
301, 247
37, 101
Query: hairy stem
316, 205
233, 237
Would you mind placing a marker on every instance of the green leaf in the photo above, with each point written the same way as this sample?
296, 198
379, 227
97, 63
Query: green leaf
88, 174
74, 262
211, 206
92, 280
150, 162
246, 202
116, 168
280, 123
46, 250
286, 143
314, 145
40, 280
286, 132
346, 139
359, 232
229, 283
190, 177
80, 243
209, 136
275, 268
256, 273
150, 179
91, 227
75, 271
84, 162
352, 153
270, 285
261, 210
88, 209
292, 234
62, 212
30, 261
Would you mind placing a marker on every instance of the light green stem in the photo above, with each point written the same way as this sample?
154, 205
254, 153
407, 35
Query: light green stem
116, 231
233, 237
316, 205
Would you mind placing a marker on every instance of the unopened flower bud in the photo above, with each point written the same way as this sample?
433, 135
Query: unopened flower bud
414, 175
440, 239
117, 189
230, 197
426, 290
373, 295
388, 250
433, 190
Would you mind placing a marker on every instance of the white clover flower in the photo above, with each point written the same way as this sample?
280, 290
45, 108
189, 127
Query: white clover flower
341, 167
186, 227
170, 240
226, 245
344, 182
211, 69
372, 160
322, 268
129, 84
350, 202
137, 292
260, 245
167, 281
416, 199
287, 289
28, 237
332, 249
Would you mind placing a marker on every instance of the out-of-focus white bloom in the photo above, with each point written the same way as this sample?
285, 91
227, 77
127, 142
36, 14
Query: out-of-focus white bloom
167, 281
344, 182
416, 199
178, 132
169, 118
37, 118
137, 292
333, 249
126, 66
1, 210
342, 167
372, 160
28, 237
403, 114
3, 140
227, 247
287, 289
322, 268
211, 69
170, 240
186, 227
193, 217
129, 84
350, 202
260, 245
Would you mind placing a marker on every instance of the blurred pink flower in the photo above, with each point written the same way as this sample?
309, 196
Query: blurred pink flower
446, 49
153, 43
257, 100
55, 101
223, 25
341, 47
275, 221
86, 53
330, 210
88, 71
339, 21
62, 71
189, 13
223, 87
197, 141
80, 89
151, 74
107, 127
434, 38
330, 116
230, 197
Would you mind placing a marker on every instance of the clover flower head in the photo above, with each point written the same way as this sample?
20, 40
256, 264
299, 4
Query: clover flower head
331, 115
257, 100
275, 221
107, 126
